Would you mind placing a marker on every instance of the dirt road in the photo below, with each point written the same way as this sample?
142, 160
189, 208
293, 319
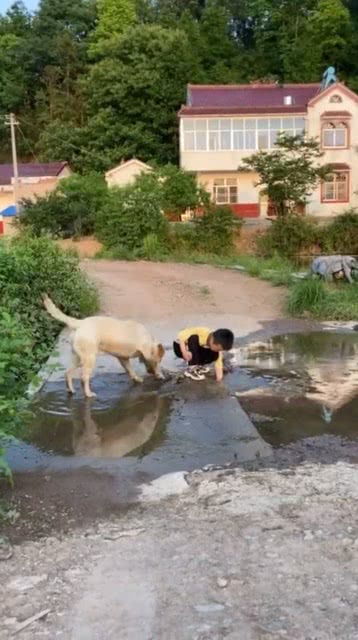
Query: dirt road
167, 296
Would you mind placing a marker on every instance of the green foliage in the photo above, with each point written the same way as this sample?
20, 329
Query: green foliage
180, 190
31, 266
114, 17
153, 248
341, 235
275, 269
289, 173
130, 214
68, 211
289, 236
324, 301
215, 230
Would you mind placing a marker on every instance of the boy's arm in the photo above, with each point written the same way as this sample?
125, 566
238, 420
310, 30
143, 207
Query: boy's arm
185, 352
219, 368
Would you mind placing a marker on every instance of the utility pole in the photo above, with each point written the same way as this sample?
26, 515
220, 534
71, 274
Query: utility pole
11, 122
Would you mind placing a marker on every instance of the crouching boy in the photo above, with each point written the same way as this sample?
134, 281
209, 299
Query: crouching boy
199, 347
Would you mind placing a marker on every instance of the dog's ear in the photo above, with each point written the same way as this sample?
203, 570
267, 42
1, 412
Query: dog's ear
161, 351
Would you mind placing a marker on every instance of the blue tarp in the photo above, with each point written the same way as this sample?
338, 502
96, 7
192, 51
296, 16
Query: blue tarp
9, 212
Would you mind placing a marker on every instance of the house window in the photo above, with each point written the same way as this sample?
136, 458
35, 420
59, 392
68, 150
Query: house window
225, 191
334, 134
236, 134
335, 187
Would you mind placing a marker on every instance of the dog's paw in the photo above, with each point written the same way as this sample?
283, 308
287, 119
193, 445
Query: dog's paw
137, 379
91, 395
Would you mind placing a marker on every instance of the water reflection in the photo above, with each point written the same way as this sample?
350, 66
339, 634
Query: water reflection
307, 371
131, 426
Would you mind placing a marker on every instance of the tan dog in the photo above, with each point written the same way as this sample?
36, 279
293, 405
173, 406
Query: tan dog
123, 339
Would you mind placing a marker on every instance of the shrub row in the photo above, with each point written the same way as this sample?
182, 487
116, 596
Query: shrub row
294, 235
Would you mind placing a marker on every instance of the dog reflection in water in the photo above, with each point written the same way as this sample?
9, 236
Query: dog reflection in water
124, 429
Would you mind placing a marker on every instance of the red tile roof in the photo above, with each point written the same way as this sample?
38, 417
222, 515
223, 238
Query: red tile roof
248, 98
31, 170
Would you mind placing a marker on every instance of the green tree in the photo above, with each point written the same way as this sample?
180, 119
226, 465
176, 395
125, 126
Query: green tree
134, 95
289, 173
114, 17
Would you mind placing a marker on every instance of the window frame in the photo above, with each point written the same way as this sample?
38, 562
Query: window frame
228, 188
249, 130
334, 125
335, 199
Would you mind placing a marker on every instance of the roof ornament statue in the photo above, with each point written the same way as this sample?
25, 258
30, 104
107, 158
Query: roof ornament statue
329, 77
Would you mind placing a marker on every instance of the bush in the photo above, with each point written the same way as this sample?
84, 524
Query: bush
341, 235
180, 190
68, 211
307, 296
289, 236
130, 214
215, 230
32, 266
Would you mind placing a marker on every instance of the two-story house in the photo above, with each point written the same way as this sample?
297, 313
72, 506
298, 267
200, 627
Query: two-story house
221, 124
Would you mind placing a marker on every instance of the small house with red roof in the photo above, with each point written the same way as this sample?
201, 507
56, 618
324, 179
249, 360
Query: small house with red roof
221, 124
35, 180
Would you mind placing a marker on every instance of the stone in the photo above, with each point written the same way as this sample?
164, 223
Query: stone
222, 583
24, 583
210, 607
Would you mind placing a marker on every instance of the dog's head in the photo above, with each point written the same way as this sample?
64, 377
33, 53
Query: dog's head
352, 262
156, 356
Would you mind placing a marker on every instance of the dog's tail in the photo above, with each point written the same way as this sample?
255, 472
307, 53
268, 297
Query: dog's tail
56, 313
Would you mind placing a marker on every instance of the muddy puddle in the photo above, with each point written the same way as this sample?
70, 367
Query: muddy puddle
301, 385
287, 388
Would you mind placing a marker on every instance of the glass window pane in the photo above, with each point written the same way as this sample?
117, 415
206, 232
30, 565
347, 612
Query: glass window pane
225, 125
275, 123
238, 139
233, 195
300, 124
287, 123
250, 124
328, 191
273, 138
237, 124
263, 140
225, 140
189, 141
250, 140
218, 182
201, 140
213, 125
328, 137
213, 140
262, 123
340, 138
188, 124
200, 124
221, 195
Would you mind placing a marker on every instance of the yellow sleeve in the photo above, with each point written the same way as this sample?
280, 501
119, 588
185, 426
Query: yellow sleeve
184, 335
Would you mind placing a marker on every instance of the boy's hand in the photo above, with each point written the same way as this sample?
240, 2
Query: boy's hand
187, 355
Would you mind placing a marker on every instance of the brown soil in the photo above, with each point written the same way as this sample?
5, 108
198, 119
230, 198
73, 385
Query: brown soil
164, 292
86, 247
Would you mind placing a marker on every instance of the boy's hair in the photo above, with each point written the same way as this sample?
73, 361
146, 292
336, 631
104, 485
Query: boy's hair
223, 337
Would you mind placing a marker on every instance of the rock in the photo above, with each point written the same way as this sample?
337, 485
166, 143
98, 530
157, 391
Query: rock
24, 583
211, 607
222, 583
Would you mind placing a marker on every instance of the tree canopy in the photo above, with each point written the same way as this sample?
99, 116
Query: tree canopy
93, 82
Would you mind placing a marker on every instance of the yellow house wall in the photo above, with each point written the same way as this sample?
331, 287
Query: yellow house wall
348, 156
125, 174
